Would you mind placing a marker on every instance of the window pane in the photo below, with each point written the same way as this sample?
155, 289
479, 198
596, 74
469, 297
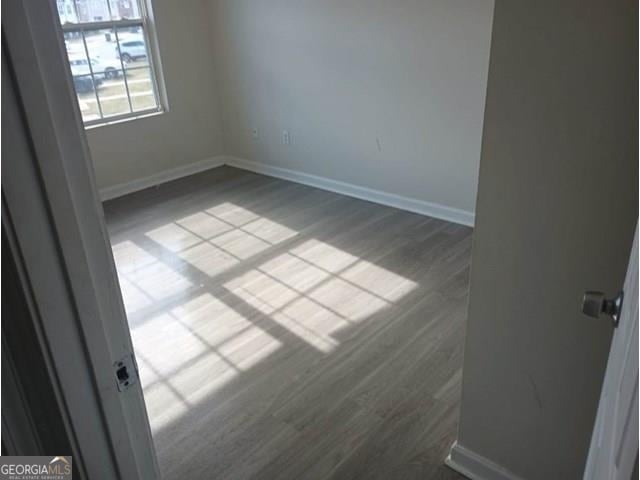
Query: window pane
76, 54
85, 11
124, 9
83, 82
113, 96
133, 48
103, 53
85, 90
110, 66
88, 10
67, 11
141, 89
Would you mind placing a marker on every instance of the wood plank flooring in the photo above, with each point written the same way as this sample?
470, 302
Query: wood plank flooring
285, 332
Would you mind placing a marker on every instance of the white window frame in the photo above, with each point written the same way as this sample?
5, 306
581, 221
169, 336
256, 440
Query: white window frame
146, 23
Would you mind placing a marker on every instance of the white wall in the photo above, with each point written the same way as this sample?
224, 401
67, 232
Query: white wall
382, 94
557, 208
191, 130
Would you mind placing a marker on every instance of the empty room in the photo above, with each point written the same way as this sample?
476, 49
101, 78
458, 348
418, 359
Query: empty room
250, 239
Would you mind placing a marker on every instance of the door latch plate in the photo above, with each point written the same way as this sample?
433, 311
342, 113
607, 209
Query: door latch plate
125, 372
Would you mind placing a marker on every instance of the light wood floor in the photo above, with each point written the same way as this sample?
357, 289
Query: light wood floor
285, 332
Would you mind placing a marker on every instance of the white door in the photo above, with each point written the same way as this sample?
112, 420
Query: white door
614, 443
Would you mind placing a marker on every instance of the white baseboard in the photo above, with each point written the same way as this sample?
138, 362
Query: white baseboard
159, 178
476, 467
450, 214
454, 215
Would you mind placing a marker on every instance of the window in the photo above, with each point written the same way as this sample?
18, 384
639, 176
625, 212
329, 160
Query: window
110, 47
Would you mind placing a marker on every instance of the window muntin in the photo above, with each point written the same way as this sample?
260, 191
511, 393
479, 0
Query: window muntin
111, 62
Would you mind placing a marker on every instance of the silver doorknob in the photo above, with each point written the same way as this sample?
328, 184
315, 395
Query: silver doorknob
594, 304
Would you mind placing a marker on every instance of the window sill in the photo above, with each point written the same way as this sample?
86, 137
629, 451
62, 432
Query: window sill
125, 119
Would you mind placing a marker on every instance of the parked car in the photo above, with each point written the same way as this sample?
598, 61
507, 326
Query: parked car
84, 84
101, 69
132, 50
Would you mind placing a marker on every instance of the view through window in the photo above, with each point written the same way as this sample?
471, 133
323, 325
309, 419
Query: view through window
108, 46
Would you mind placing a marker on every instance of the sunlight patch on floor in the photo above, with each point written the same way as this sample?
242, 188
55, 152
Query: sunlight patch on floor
269, 231
129, 256
240, 244
143, 278
323, 255
233, 214
260, 291
215, 239
294, 272
208, 259
158, 281
204, 335
378, 280
204, 225
312, 323
186, 355
134, 299
347, 300
173, 237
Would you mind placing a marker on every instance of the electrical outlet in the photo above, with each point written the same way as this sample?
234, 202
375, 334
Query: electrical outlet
254, 133
286, 138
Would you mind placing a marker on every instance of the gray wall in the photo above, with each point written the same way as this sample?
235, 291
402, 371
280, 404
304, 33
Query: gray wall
557, 207
191, 130
382, 94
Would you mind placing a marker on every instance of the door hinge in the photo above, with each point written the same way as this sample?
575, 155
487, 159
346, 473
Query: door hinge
126, 372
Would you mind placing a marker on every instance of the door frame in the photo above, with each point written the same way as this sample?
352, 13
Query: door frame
52, 209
